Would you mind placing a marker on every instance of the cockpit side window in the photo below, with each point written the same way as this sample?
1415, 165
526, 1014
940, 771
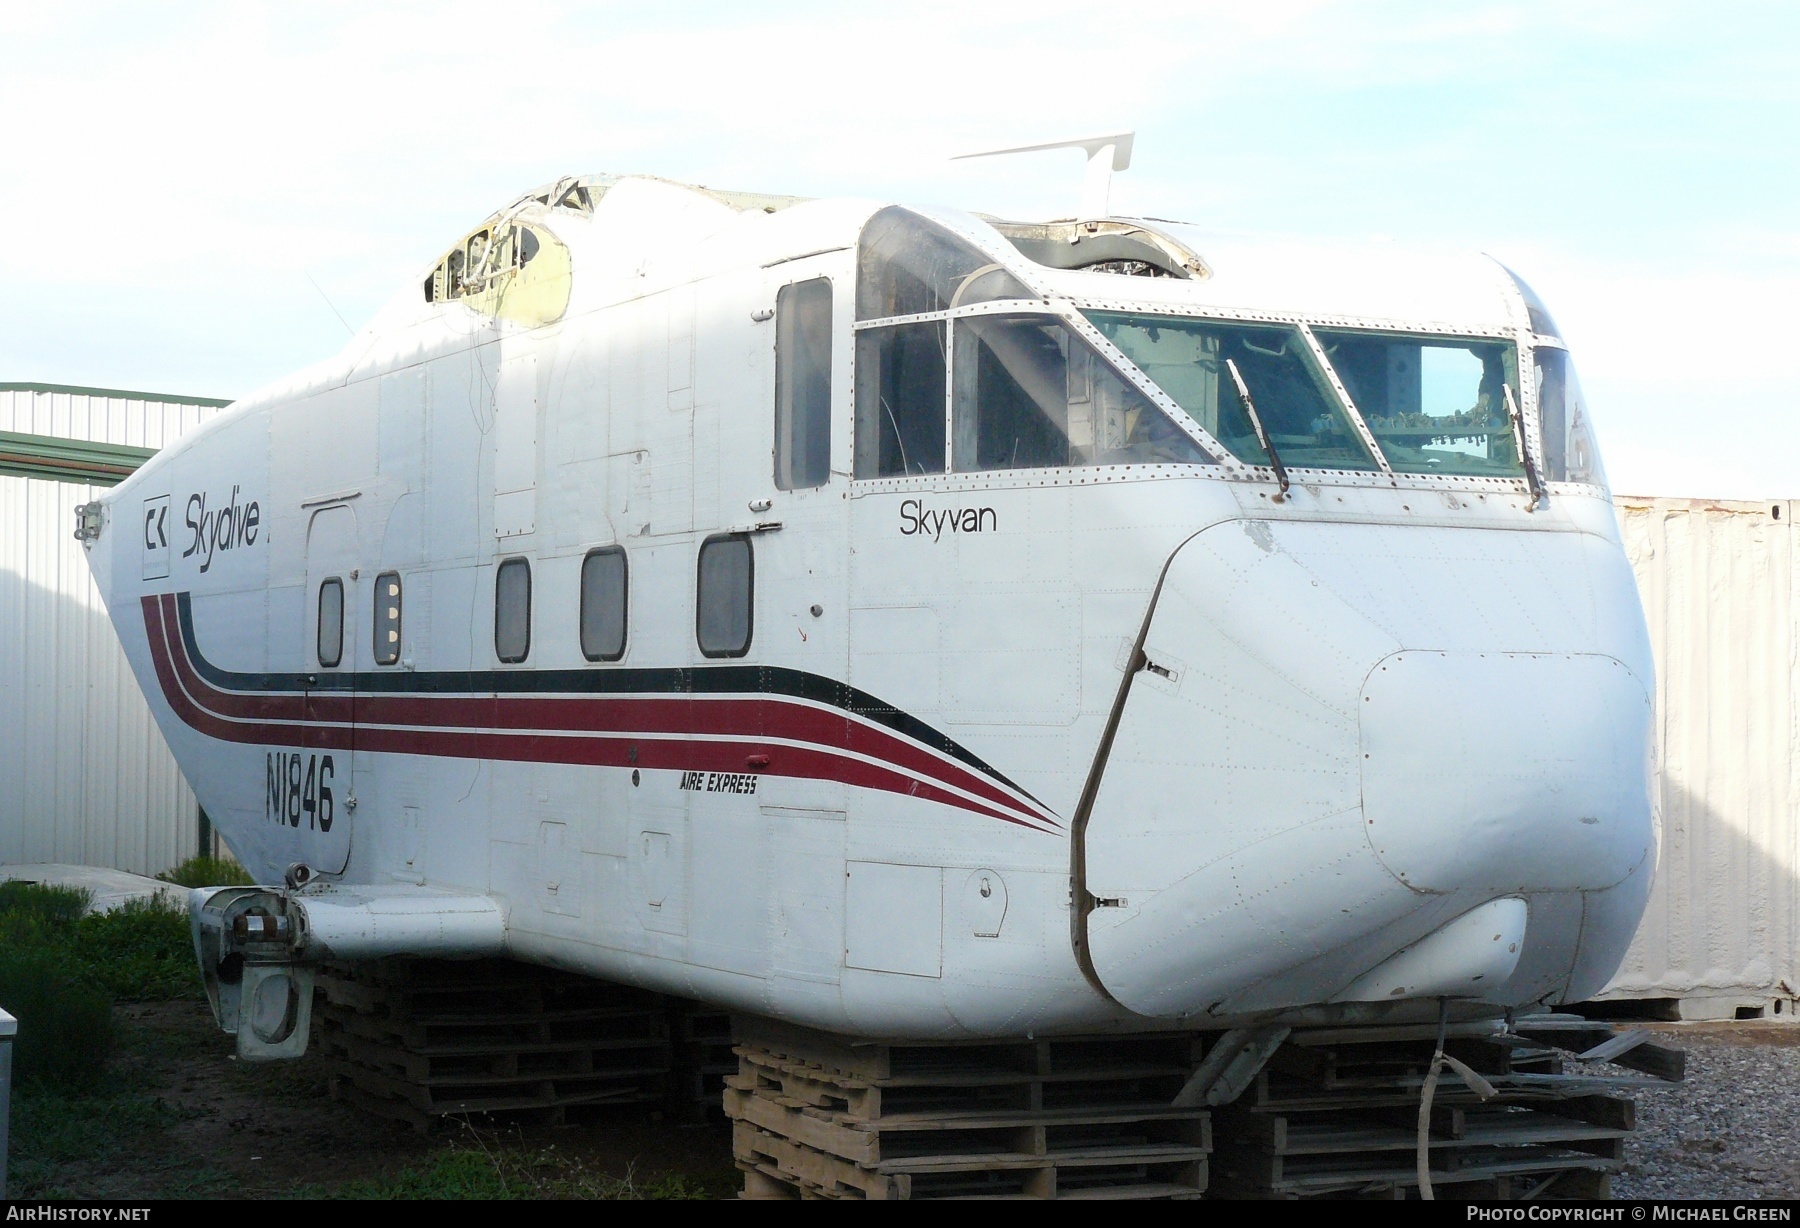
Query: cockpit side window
1191, 360
1030, 393
900, 397
1570, 453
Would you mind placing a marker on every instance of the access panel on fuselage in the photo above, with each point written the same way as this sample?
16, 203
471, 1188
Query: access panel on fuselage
313, 786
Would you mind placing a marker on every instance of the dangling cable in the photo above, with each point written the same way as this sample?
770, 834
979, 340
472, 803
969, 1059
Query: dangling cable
1431, 1078
1480, 1086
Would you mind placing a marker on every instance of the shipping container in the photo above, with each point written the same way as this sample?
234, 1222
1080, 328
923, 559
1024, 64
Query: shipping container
1722, 933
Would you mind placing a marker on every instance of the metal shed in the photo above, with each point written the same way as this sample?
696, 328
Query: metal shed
1721, 938
88, 777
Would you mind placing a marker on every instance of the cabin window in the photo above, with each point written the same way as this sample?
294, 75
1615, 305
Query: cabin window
1187, 358
512, 610
907, 266
603, 604
900, 400
331, 623
803, 385
387, 618
1030, 393
1434, 404
724, 588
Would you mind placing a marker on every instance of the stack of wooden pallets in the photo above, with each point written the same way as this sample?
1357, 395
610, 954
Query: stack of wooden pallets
821, 1116
424, 1039
703, 1056
1335, 1114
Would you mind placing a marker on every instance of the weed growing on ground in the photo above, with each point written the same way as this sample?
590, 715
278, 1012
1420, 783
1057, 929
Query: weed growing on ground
501, 1171
65, 1027
141, 951
203, 871
33, 907
60, 971
65, 1022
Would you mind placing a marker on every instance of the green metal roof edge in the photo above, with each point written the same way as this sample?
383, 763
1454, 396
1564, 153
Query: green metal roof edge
119, 393
69, 460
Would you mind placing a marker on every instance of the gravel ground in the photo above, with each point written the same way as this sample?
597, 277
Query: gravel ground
1732, 1130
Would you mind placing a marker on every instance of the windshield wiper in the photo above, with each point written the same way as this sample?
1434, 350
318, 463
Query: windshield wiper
1243, 391
1532, 482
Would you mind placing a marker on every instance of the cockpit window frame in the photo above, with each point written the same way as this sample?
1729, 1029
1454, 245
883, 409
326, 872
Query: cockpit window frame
1070, 305
1431, 337
1220, 456
1522, 339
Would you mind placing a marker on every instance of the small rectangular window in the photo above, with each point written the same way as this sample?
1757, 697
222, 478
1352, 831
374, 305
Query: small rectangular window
603, 604
331, 622
722, 619
803, 385
900, 400
512, 610
387, 618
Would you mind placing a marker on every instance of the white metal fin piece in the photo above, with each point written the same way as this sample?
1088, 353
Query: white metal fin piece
1105, 154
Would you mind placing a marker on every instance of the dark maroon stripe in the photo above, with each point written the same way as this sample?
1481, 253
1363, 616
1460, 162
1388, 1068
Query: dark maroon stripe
617, 750
699, 716
702, 716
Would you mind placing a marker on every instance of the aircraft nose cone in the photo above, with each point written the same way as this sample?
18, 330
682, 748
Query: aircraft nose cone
1506, 771
1358, 733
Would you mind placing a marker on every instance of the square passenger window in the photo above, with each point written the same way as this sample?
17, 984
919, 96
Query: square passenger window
724, 588
603, 604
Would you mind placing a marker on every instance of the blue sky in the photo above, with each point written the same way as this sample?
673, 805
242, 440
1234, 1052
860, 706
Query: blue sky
175, 180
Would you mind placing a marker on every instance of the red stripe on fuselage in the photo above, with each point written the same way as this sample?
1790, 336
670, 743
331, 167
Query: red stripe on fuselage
698, 733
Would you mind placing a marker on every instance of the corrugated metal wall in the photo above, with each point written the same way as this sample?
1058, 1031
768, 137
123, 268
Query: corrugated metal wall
1724, 918
87, 776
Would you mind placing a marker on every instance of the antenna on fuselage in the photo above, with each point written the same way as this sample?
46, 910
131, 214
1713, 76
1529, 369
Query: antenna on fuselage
1105, 154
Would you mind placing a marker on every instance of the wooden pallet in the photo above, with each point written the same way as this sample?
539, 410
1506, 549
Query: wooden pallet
421, 1040
1337, 1115
704, 1055
818, 1116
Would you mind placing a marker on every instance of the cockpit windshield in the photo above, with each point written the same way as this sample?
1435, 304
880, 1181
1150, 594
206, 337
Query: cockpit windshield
1434, 404
947, 329
1186, 358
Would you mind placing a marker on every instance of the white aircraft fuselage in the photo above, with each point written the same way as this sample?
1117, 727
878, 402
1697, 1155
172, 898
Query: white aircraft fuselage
884, 620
